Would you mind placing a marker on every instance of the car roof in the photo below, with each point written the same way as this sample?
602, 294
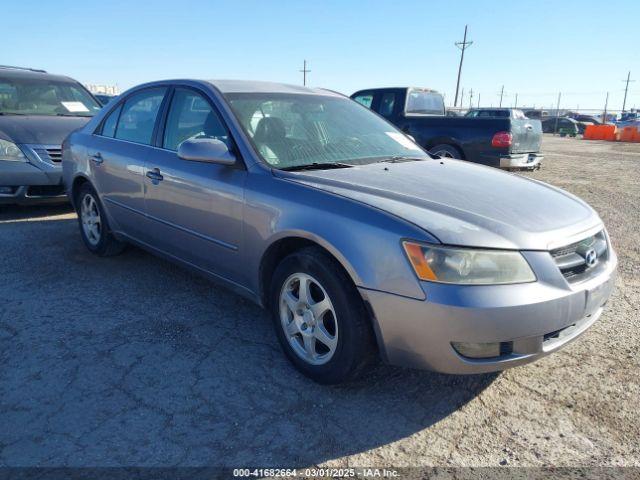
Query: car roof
17, 72
250, 86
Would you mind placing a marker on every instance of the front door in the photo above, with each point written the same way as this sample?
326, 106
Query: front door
194, 209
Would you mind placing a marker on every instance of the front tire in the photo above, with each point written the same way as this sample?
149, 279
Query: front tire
94, 226
319, 317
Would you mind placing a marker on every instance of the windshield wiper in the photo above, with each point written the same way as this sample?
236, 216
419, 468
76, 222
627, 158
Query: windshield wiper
317, 166
402, 158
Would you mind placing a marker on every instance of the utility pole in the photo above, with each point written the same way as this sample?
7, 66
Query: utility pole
501, 95
626, 89
478, 99
470, 99
461, 98
555, 129
304, 73
463, 45
515, 105
606, 104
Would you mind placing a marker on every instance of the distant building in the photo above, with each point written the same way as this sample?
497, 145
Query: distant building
103, 89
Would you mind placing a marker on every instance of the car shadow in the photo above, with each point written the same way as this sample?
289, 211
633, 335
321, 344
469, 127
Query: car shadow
131, 360
18, 212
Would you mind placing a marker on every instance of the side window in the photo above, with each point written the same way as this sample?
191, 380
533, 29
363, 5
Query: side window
387, 102
365, 99
191, 116
138, 116
109, 125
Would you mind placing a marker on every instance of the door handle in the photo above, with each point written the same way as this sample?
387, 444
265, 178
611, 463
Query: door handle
529, 127
155, 176
97, 158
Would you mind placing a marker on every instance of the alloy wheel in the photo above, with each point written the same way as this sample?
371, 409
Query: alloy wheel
308, 319
90, 218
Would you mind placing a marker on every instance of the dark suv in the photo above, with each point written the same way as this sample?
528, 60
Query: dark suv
37, 111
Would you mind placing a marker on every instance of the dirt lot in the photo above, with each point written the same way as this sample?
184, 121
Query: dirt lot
133, 361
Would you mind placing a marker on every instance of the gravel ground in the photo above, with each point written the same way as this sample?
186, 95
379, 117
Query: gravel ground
134, 361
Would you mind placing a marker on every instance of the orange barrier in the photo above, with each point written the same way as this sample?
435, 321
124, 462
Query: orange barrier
589, 132
600, 132
629, 134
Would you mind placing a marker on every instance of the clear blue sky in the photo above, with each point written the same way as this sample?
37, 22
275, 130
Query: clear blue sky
535, 48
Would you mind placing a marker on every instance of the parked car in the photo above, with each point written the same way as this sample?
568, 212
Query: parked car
561, 124
513, 113
499, 142
588, 119
358, 242
37, 111
536, 114
104, 98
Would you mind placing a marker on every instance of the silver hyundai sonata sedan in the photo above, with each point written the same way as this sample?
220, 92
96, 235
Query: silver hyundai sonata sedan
359, 243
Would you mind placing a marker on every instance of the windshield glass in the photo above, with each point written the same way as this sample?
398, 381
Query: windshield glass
292, 130
426, 102
28, 96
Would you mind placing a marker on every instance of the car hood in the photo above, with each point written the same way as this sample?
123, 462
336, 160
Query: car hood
38, 129
461, 203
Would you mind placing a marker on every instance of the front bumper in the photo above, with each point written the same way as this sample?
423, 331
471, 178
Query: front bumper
32, 182
521, 160
535, 318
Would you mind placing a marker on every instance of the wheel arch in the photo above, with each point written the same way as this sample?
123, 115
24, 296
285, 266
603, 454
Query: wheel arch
288, 243
78, 181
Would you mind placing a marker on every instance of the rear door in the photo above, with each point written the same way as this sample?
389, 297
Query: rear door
117, 154
527, 133
194, 209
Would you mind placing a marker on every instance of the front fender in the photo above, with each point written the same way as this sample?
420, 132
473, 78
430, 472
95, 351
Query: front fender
365, 240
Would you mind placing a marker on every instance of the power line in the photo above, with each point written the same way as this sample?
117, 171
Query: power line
304, 73
463, 45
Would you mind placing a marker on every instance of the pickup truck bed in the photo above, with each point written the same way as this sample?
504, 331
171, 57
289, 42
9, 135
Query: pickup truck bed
512, 143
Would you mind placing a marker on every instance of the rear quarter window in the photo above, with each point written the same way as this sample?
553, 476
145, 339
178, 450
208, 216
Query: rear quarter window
109, 125
365, 99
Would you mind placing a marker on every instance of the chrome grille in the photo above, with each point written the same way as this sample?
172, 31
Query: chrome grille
49, 154
584, 259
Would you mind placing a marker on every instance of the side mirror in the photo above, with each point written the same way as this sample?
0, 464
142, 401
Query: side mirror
207, 150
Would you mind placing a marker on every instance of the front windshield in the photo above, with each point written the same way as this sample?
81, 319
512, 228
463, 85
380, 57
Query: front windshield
42, 96
294, 130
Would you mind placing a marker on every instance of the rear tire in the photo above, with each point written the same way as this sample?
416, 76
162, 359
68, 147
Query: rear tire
320, 319
94, 226
446, 151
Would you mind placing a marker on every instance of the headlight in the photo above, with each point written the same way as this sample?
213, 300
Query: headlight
9, 152
468, 266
